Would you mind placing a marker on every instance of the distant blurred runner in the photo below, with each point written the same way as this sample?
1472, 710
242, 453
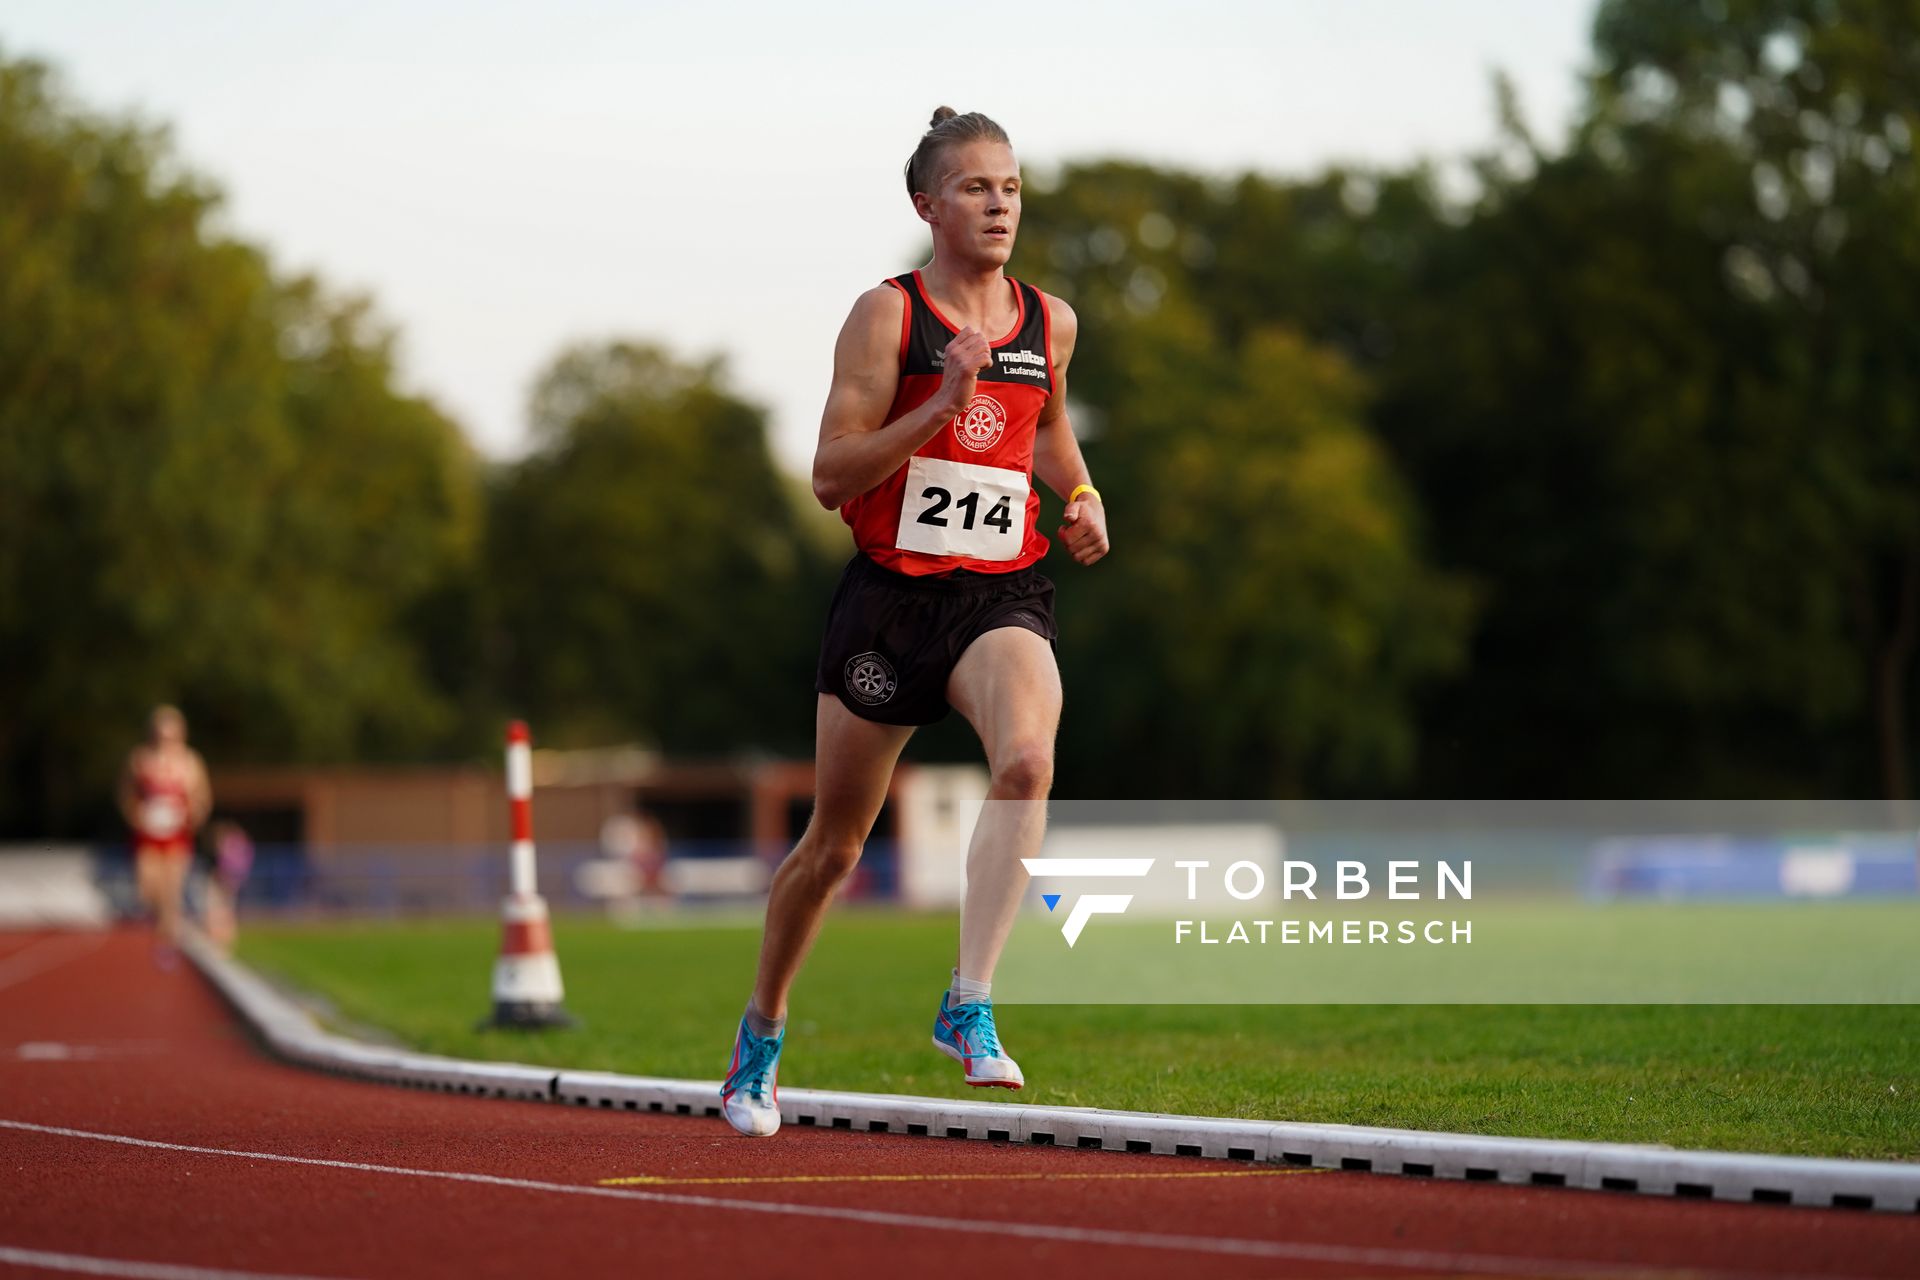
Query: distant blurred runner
164, 797
649, 856
931, 436
231, 863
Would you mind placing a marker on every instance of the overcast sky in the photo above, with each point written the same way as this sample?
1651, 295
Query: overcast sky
725, 177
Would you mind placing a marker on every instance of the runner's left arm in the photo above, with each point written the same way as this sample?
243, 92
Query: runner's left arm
1056, 454
200, 792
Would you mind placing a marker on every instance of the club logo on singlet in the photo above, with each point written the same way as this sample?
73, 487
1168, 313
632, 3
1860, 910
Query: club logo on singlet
870, 678
981, 424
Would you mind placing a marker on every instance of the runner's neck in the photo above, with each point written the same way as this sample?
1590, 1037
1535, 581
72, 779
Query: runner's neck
986, 299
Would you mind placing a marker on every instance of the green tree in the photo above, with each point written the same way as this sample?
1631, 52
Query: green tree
209, 490
1798, 120
1268, 616
327, 652
1568, 392
1651, 391
653, 576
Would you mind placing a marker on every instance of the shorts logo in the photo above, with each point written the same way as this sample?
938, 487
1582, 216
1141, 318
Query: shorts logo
870, 678
981, 424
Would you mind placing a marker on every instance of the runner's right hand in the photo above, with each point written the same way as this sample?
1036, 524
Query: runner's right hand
965, 357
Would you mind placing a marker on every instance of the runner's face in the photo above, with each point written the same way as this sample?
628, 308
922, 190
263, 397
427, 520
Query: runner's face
979, 205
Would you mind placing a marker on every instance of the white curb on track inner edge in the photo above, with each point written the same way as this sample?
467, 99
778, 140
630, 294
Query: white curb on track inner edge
1601, 1166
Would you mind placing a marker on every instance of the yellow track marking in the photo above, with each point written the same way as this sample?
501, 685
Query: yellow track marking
656, 1180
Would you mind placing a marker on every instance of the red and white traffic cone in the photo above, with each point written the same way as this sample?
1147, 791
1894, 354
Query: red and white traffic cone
526, 977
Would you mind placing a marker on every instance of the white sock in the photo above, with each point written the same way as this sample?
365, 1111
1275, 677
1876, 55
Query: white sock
967, 991
761, 1025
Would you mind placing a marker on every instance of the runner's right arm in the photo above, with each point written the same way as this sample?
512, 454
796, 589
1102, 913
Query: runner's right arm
858, 447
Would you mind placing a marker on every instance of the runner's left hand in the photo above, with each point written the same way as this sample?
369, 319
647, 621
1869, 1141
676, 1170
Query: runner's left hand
1083, 529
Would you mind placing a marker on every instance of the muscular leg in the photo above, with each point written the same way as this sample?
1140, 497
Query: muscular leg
175, 888
147, 873
853, 763
1008, 688
220, 914
162, 880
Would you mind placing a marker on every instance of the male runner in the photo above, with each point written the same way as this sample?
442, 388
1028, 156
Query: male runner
931, 435
164, 796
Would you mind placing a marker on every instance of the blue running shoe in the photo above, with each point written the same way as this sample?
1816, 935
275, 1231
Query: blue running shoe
750, 1098
966, 1033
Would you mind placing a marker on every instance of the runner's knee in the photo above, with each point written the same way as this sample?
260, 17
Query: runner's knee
1025, 771
829, 859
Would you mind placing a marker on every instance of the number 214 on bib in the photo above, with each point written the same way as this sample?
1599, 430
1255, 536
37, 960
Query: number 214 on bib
963, 509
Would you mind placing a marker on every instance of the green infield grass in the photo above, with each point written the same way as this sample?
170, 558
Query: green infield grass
1833, 1080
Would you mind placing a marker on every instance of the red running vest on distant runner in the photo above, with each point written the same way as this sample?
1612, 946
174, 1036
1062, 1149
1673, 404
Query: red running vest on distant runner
965, 499
164, 811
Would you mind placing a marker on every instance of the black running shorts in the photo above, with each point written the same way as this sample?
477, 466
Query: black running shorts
893, 640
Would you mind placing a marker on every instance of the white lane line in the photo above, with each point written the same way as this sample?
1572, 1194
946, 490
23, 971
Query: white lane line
31, 960
90, 1266
1346, 1255
56, 1051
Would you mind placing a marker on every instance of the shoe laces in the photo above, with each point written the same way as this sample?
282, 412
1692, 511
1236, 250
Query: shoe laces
974, 1021
758, 1054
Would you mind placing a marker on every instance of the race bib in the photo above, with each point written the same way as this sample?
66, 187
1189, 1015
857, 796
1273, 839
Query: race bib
963, 509
162, 816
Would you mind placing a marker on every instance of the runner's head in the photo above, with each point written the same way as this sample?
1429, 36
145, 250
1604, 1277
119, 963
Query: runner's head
166, 725
965, 184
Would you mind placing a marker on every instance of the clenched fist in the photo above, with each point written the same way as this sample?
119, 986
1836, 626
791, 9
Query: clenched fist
1083, 528
964, 358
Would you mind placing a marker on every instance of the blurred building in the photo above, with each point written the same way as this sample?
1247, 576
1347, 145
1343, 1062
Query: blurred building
434, 838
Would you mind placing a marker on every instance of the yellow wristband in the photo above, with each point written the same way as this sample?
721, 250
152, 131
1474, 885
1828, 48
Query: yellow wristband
1086, 488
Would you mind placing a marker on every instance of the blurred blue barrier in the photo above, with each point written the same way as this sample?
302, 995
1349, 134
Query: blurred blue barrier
1694, 867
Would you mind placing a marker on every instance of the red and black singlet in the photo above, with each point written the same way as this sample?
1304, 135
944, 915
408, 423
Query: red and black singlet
965, 499
164, 810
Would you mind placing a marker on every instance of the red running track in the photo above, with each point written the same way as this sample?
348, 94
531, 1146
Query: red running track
140, 1129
